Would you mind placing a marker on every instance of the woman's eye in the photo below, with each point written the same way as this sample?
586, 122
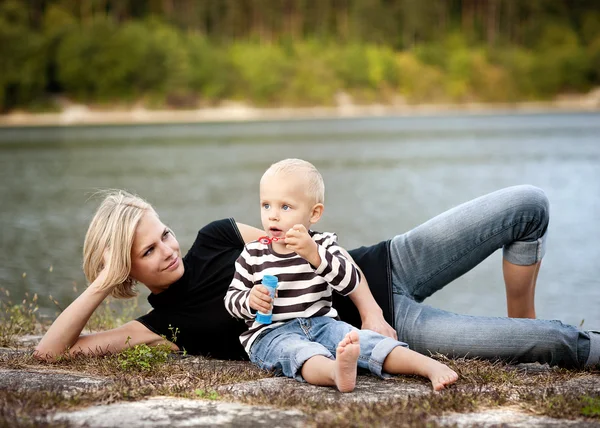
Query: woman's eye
166, 234
148, 251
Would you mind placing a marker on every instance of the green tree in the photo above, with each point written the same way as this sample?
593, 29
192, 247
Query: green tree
23, 58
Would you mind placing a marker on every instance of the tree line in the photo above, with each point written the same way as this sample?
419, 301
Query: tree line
189, 53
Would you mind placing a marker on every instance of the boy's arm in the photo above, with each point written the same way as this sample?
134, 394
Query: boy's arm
327, 262
337, 270
237, 298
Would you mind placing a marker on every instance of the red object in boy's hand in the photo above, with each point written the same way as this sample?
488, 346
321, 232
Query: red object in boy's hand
266, 240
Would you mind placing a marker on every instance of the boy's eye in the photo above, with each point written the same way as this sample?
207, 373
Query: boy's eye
286, 207
266, 206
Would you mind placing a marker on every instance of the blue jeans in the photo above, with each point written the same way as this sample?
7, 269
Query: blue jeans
286, 348
427, 258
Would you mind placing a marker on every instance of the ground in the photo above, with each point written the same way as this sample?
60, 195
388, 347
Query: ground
149, 388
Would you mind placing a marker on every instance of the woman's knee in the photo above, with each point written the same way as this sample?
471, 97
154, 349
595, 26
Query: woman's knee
530, 197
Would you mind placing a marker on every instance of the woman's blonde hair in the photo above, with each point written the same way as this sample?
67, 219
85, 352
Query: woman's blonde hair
113, 229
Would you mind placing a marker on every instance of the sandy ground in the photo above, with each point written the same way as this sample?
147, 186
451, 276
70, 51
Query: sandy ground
77, 114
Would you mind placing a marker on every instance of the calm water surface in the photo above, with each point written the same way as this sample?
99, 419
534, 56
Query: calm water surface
383, 177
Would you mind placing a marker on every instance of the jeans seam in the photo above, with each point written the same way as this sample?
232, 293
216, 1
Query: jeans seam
390, 281
470, 249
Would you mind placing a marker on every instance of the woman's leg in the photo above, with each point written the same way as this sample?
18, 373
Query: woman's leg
430, 330
430, 256
435, 253
520, 288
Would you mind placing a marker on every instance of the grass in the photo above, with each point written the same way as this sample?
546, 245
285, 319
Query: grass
142, 371
17, 320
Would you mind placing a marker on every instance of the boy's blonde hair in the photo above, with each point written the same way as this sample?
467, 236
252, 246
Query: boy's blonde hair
113, 228
315, 184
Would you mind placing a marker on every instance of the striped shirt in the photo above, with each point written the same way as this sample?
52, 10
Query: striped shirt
302, 291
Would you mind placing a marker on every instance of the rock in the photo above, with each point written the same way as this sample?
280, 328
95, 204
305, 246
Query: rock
368, 389
588, 384
29, 340
178, 412
64, 383
506, 417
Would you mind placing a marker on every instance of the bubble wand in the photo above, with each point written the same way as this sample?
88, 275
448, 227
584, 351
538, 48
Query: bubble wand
266, 240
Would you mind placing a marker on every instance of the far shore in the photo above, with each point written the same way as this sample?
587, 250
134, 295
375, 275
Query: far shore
77, 114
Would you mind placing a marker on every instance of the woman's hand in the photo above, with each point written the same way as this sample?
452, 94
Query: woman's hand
103, 274
260, 299
299, 240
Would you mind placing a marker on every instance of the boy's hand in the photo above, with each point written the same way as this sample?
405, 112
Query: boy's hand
298, 240
260, 299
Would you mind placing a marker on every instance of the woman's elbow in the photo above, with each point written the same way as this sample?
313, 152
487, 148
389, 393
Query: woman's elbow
43, 354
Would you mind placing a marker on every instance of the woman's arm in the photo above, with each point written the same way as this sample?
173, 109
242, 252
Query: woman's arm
249, 233
65, 333
371, 314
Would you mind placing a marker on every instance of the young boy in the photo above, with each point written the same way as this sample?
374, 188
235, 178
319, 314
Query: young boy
304, 340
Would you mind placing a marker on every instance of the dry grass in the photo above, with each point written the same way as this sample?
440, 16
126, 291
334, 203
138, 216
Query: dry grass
141, 373
482, 385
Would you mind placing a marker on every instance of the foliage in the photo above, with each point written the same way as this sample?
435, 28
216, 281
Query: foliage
298, 52
22, 53
143, 357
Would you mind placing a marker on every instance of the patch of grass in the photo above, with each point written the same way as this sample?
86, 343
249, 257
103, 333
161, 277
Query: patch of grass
208, 395
143, 357
17, 319
562, 404
591, 406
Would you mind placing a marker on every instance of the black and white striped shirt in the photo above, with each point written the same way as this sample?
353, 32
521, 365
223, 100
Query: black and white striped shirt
303, 291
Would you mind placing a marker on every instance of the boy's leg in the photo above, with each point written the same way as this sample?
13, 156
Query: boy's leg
285, 349
406, 361
383, 356
291, 350
340, 373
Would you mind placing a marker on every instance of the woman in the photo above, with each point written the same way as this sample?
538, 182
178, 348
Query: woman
126, 243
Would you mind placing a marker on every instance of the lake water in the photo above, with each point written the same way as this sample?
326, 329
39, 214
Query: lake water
383, 176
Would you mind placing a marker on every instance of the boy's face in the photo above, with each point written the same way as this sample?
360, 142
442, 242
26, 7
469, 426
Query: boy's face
284, 203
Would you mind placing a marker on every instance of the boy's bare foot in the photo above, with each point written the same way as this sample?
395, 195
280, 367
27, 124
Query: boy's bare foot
440, 375
346, 360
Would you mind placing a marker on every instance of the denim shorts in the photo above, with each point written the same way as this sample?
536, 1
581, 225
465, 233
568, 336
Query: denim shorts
284, 349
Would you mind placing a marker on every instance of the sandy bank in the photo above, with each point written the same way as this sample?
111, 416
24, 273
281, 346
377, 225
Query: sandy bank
76, 114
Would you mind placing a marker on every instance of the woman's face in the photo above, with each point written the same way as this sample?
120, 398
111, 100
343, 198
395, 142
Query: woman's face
155, 254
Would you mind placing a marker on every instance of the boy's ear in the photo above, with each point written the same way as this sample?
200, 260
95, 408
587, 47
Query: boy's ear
316, 213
